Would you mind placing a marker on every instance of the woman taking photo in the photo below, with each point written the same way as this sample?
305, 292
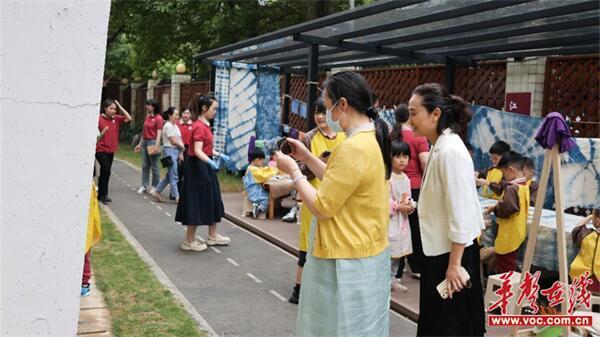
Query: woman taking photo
200, 203
450, 218
345, 282
109, 124
173, 148
150, 145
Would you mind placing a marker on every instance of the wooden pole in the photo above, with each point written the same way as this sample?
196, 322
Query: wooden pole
533, 229
560, 233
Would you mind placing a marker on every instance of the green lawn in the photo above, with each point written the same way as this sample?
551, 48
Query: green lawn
138, 302
229, 182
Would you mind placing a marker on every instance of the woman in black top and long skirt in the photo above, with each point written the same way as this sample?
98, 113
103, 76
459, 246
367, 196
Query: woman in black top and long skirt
200, 203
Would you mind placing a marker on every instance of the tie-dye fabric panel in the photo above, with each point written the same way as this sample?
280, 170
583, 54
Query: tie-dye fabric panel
388, 117
221, 119
268, 118
242, 115
580, 166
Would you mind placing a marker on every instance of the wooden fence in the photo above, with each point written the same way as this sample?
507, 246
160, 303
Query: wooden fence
189, 90
571, 86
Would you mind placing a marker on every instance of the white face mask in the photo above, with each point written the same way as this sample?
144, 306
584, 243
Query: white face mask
333, 125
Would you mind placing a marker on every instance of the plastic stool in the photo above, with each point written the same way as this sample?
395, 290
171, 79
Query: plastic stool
246, 205
494, 281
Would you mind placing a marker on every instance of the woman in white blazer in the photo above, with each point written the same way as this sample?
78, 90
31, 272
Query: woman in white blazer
450, 218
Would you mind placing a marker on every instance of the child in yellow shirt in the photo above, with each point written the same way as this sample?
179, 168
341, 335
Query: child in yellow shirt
256, 174
587, 239
511, 213
491, 181
93, 235
529, 170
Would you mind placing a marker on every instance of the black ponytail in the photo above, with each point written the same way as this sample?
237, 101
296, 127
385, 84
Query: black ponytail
454, 112
198, 103
168, 113
401, 115
355, 90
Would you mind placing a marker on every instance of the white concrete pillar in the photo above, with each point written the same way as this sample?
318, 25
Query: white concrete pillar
51, 69
176, 81
150, 92
528, 76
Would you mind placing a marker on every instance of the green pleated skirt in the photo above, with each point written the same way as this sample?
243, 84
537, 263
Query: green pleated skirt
344, 297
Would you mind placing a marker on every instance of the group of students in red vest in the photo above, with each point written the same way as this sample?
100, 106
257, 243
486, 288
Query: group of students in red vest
112, 116
189, 142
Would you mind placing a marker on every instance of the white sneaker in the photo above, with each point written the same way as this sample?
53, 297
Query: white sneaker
398, 286
141, 190
194, 246
291, 216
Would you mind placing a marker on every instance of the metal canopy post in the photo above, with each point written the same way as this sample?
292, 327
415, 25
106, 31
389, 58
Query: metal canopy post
213, 75
450, 71
285, 118
313, 73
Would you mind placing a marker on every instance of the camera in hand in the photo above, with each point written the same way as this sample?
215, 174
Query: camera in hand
284, 146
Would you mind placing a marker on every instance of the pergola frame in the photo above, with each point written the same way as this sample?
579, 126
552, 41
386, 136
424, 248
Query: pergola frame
404, 32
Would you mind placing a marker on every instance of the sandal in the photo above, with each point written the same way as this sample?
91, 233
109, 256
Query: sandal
219, 240
154, 193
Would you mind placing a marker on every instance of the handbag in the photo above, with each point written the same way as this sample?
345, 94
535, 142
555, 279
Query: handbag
166, 161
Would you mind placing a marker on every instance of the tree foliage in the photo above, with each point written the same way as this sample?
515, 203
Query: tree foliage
147, 35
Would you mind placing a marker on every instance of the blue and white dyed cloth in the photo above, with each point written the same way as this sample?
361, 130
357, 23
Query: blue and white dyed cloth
249, 105
580, 166
241, 119
388, 117
268, 117
222, 95
298, 107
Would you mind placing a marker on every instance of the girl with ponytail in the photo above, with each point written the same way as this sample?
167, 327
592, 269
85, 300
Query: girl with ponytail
450, 218
200, 203
419, 154
346, 274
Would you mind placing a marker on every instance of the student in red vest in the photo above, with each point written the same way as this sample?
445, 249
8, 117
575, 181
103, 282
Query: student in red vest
150, 145
109, 123
185, 127
200, 203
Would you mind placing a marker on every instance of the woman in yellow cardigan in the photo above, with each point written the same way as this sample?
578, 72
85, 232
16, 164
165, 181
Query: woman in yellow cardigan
345, 283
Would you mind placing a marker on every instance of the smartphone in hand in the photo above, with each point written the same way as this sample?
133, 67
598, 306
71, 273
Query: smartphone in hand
284, 146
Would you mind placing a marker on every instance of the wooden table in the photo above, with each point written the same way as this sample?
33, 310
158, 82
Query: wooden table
278, 187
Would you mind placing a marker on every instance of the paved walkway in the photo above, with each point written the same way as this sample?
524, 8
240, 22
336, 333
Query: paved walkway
285, 235
94, 317
240, 290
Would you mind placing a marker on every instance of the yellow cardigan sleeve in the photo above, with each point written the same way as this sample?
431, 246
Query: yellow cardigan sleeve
94, 228
342, 177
